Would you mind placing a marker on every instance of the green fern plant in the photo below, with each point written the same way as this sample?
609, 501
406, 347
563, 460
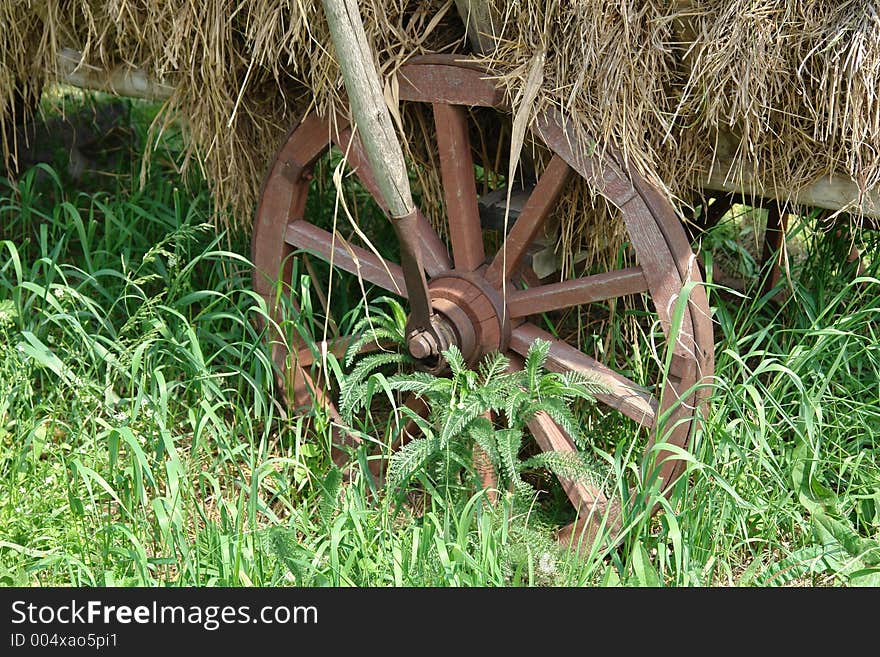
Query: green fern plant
487, 408
385, 324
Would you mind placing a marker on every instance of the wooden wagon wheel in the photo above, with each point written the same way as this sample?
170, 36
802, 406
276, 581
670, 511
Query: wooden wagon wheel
466, 288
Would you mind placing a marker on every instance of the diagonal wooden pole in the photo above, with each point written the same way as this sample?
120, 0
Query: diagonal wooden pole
367, 102
382, 148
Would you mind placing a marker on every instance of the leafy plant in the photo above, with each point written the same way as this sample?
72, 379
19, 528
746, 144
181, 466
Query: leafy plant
487, 409
476, 425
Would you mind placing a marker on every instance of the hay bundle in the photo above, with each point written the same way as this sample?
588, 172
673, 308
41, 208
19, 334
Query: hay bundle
782, 91
793, 86
243, 72
785, 90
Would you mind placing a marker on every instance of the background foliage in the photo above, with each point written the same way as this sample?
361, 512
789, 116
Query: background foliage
142, 440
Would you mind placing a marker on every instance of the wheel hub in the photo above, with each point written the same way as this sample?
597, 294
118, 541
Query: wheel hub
469, 312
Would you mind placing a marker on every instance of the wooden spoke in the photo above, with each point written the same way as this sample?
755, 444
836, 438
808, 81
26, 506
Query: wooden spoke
551, 438
529, 222
595, 510
459, 186
588, 289
624, 395
353, 259
434, 255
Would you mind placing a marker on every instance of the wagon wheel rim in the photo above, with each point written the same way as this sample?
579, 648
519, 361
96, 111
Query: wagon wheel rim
472, 292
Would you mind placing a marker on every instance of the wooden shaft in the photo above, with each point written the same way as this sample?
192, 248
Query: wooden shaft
481, 23
122, 81
368, 107
774, 235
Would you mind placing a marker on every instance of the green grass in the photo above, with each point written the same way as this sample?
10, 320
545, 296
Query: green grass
142, 440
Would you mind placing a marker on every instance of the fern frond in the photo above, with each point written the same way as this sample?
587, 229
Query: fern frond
515, 400
580, 382
535, 358
483, 434
283, 543
560, 413
494, 395
533, 548
371, 363
330, 488
352, 388
418, 383
523, 501
375, 335
456, 418
377, 324
509, 442
467, 380
455, 360
537, 538
492, 366
574, 466
373, 321
351, 397
409, 459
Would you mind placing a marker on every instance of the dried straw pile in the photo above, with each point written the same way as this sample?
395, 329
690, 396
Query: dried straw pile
243, 71
788, 88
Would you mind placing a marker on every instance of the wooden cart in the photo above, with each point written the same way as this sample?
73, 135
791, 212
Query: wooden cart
461, 294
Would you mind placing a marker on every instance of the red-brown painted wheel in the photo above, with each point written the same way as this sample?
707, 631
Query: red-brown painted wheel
469, 287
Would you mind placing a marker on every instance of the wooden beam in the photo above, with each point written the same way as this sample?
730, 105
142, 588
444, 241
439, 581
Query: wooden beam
832, 192
122, 81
